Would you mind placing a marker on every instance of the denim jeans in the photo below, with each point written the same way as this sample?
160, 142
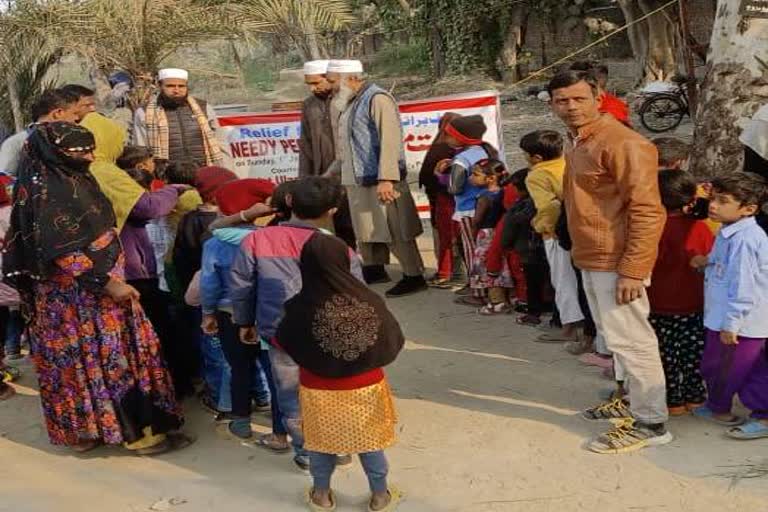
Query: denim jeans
278, 427
285, 373
321, 466
13, 332
216, 372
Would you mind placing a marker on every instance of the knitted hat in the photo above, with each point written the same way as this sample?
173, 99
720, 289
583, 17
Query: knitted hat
240, 195
468, 130
209, 179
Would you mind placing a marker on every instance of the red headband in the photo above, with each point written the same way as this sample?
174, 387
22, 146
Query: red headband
463, 139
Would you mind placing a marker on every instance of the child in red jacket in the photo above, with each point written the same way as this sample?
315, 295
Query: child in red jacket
499, 259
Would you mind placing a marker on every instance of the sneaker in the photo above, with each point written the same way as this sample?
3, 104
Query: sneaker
406, 286
614, 410
374, 274
629, 436
302, 462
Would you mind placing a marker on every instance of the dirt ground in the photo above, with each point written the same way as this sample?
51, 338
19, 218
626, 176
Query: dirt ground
488, 422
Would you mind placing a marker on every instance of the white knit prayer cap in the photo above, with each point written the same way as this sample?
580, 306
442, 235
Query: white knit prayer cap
345, 66
316, 67
180, 74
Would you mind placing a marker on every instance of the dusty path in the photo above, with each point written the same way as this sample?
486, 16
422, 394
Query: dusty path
487, 424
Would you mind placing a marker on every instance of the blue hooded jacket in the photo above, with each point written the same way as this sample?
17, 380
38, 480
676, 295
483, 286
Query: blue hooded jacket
218, 254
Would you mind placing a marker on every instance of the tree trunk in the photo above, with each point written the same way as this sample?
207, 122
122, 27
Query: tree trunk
238, 64
439, 66
663, 41
313, 45
654, 41
735, 86
15, 101
513, 42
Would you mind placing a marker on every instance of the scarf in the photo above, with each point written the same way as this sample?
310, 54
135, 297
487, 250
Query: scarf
122, 190
158, 137
336, 327
58, 205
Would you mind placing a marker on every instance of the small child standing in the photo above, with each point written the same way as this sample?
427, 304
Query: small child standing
544, 151
677, 311
486, 175
465, 135
518, 235
736, 308
341, 335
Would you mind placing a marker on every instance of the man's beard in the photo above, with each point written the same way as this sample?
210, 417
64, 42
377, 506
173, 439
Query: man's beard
342, 98
168, 102
322, 95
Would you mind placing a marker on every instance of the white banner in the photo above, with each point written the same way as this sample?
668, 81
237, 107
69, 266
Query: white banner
265, 145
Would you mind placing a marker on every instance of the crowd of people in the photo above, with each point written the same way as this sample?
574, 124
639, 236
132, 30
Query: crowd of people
141, 271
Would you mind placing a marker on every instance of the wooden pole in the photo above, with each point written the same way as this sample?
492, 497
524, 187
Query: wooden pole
693, 92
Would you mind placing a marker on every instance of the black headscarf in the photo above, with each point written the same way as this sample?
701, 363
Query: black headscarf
58, 206
336, 327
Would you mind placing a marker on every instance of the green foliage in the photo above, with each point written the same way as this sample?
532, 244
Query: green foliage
402, 59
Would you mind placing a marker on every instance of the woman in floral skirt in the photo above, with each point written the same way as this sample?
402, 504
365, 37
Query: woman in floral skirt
101, 375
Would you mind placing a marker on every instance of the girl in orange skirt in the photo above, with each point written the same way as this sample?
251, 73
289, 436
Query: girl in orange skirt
341, 334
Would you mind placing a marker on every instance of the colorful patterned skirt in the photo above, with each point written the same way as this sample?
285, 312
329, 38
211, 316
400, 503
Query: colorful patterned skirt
349, 420
99, 366
478, 276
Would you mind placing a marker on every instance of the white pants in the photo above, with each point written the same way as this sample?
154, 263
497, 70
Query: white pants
629, 335
564, 282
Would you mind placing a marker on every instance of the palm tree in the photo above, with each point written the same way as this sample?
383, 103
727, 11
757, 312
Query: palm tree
28, 49
303, 22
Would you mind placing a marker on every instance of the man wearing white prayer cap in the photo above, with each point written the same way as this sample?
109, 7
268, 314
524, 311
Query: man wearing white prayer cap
369, 149
177, 127
317, 143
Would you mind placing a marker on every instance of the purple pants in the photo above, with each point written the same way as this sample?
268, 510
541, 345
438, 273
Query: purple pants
736, 369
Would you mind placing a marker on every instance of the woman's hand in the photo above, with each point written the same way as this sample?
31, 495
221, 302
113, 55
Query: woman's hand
442, 166
249, 336
210, 325
120, 291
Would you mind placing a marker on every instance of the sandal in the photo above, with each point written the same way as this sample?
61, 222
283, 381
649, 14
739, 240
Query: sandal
85, 446
272, 443
753, 429
707, 414
173, 441
554, 338
469, 300
494, 309
9, 374
314, 507
531, 320
464, 290
395, 497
